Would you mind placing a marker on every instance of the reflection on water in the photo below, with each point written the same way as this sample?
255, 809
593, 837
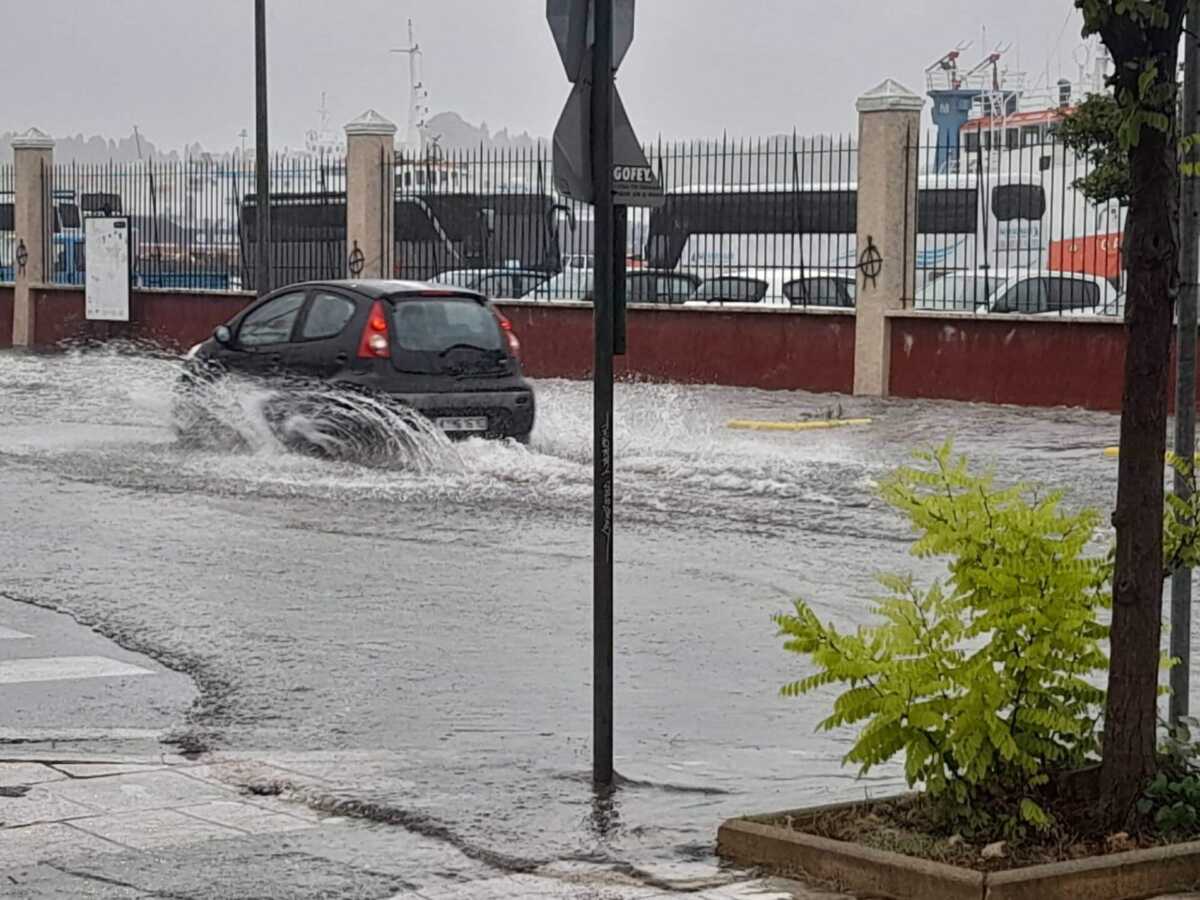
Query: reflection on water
425, 610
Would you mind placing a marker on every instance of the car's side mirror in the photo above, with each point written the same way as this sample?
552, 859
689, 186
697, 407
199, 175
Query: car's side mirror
222, 335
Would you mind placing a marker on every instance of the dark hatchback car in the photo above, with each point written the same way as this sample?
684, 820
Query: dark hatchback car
443, 351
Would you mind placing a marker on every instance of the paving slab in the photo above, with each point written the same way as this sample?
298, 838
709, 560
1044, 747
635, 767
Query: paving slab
140, 791
102, 770
260, 867
247, 817
152, 829
16, 774
43, 882
56, 840
41, 804
517, 887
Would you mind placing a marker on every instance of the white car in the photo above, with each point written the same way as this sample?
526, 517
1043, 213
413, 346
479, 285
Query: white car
778, 287
656, 287
1023, 292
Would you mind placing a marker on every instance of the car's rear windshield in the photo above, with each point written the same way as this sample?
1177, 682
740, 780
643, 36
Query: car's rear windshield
731, 290
438, 324
959, 292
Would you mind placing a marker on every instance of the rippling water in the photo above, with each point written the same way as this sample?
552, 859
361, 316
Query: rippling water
429, 607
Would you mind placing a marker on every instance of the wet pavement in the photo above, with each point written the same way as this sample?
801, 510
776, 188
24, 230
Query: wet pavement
429, 625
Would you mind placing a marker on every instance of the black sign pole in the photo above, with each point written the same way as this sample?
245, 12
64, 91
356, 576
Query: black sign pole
621, 239
602, 447
262, 166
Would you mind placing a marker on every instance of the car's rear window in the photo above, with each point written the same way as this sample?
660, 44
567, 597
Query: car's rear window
731, 290
956, 292
437, 325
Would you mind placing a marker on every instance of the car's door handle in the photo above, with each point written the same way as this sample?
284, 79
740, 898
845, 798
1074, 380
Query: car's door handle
342, 358
275, 359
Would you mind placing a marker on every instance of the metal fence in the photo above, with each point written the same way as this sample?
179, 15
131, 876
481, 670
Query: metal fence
1003, 227
192, 223
8, 240
769, 221
1001, 224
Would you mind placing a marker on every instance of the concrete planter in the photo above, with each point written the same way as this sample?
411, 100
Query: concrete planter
1137, 874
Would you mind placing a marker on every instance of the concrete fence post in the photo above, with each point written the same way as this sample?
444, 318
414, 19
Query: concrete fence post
889, 121
33, 157
370, 196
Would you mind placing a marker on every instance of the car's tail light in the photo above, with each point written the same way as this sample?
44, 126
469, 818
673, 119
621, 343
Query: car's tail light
374, 342
514, 345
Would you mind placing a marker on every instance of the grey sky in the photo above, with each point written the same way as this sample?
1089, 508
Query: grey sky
182, 69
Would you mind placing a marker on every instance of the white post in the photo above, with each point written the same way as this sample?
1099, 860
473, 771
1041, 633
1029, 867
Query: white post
370, 196
889, 120
33, 157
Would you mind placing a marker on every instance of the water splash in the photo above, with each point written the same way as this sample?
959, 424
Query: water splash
320, 420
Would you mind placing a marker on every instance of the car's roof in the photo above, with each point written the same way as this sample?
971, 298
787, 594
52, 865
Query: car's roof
768, 274
1005, 274
384, 287
492, 270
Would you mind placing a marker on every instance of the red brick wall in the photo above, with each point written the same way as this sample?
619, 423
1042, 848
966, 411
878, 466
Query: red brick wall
170, 318
809, 351
1042, 362
6, 315
1047, 362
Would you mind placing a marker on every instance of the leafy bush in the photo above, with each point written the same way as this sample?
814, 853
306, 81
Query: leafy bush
981, 683
1174, 803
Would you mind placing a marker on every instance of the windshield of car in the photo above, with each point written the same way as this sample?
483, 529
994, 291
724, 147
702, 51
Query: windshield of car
573, 284
466, 278
731, 290
959, 292
442, 324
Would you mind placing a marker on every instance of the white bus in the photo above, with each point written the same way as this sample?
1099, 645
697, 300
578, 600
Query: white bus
965, 222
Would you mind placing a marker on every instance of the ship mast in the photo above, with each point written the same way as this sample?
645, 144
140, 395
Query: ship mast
417, 95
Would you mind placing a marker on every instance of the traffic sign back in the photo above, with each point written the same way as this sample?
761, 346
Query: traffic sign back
634, 181
572, 24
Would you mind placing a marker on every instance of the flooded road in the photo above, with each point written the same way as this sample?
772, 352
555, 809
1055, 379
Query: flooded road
442, 611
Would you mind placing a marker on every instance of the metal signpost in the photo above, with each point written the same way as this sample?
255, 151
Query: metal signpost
598, 160
262, 167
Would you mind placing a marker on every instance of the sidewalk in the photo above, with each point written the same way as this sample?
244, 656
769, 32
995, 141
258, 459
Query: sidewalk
226, 827
79, 818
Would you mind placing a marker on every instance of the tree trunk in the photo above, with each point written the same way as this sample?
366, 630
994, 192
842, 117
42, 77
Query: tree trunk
1152, 263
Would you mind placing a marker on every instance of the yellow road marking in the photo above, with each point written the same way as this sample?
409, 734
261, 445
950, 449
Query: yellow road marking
811, 425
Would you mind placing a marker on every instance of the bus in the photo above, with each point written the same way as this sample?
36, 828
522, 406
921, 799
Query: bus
965, 221
433, 233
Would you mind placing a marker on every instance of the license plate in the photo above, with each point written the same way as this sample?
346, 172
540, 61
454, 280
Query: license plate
463, 423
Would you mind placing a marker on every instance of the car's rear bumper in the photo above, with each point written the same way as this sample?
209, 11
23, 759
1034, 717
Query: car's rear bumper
508, 413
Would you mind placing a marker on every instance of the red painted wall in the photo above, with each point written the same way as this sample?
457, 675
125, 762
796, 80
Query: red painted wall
172, 319
1047, 362
749, 348
776, 350
6, 316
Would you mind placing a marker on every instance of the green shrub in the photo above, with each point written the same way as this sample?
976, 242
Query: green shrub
981, 683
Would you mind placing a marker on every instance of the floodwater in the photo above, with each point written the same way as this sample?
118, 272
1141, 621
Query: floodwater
435, 604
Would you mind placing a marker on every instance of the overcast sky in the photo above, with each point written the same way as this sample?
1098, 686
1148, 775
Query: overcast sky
182, 70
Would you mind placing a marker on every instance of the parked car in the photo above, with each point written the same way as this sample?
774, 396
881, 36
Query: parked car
1022, 291
650, 286
446, 352
778, 287
502, 283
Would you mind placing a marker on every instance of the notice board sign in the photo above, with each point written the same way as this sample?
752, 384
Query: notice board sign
106, 264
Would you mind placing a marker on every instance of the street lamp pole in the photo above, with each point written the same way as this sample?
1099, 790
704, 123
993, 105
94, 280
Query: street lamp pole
262, 170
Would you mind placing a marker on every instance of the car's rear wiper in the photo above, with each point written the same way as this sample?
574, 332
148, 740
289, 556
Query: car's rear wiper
493, 350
